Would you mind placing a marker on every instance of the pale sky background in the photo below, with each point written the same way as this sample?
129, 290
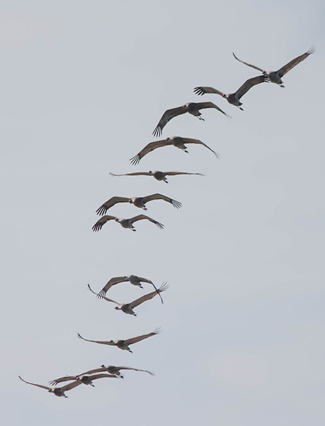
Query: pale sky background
84, 83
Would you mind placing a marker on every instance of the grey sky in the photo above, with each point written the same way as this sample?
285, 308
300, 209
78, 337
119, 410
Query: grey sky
83, 86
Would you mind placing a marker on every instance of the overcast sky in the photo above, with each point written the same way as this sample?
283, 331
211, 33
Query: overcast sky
84, 83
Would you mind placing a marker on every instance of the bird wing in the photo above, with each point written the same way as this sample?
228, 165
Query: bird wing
132, 174
197, 141
167, 116
103, 297
143, 216
109, 284
70, 385
148, 148
204, 105
152, 197
182, 173
35, 384
101, 222
148, 296
201, 90
103, 342
139, 338
136, 369
249, 84
250, 65
286, 68
110, 203
62, 379
100, 376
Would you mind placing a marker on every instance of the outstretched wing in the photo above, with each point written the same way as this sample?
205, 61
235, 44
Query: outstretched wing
249, 65
152, 197
70, 385
102, 342
102, 376
103, 297
143, 216
132, 174
139, 338
286, 68
110, 203
148, 296
182, 173
62, 379
197, 141
34, 384
110, 283
101, 222
249, 84
167, 116
136, 369
201, 90
204, 105
148, 148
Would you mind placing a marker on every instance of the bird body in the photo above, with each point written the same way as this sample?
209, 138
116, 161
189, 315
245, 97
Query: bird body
123, 344
192, 108
139, 202
158, 175
233, 98
176, 141
125, 223
276, 76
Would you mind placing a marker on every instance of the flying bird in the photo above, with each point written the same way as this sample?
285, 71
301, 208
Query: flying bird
176, 141
57, 391
136, 201
233, 98
158, 175
125, 223
276, 76
90, 375
123, 344
127, 308
84, 378
192, 108
132, 279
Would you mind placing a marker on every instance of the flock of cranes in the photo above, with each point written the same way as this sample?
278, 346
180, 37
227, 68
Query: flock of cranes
194, 109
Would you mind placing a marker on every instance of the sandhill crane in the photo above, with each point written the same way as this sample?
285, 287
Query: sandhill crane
123, 344
57, 391
112, 369
127, 308
192, 108
176, 141
233, 98
84, 378
139, 202
126, 223
158, 175
132, 279
90, 375
276, 76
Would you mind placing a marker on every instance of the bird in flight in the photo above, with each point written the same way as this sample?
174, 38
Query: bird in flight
132, 279
158, 175
192, 108
125, 223
57, 391
176, 141
233, 98
114, 371
276, 76
136, 201
123, 344
127, 308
